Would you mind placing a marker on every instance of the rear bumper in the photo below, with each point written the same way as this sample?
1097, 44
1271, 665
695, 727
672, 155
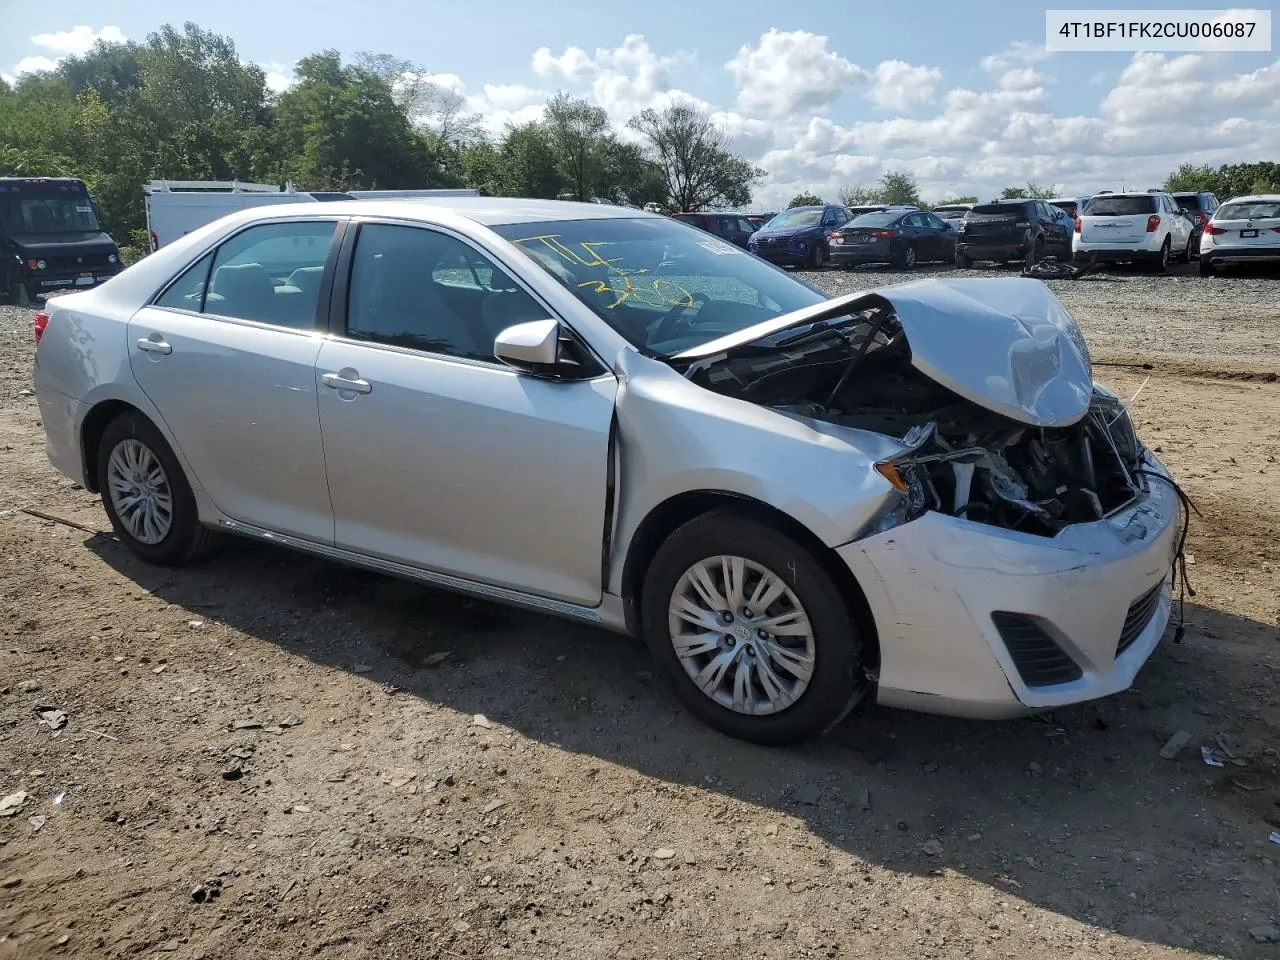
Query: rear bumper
1239, 254
991, 250
1115, 254
879, 252
46, 282
1100, 592
61, 416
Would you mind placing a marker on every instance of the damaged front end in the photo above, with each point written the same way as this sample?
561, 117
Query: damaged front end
992, 398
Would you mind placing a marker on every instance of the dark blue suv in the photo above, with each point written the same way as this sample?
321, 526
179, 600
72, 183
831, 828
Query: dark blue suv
798, 237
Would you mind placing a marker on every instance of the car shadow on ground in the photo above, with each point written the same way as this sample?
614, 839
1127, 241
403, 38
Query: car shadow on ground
1074, 813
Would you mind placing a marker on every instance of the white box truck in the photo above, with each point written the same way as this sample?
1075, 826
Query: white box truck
176, 207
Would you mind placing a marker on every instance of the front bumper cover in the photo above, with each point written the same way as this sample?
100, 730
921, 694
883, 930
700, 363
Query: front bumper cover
933, 585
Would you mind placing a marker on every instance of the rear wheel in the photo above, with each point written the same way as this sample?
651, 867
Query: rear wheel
964, 261
1161, 263
907, 258
750, 630
146, 494
1206, 266
1036, 253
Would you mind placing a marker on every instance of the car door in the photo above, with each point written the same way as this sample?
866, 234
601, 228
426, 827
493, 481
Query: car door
1183, 224
944, 237
227, 354
438, 455
917, 233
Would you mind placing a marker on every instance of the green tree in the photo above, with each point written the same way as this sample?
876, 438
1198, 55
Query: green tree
1228, 180
956, 200
693, 158
481, 167
530, 167
341, 128
898, 186
580, 137
1029, 192
805, 200
857, 195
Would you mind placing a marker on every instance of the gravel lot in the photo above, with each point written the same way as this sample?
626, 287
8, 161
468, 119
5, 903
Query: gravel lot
536, 794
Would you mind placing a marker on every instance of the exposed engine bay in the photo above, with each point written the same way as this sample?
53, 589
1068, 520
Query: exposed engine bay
963, 459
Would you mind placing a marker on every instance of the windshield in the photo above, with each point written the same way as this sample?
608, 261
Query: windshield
950, 213
662, 286
34, 207
1120, 206
874, 220
1258, 210
799, 217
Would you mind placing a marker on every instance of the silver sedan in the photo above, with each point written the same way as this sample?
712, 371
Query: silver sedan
916, 493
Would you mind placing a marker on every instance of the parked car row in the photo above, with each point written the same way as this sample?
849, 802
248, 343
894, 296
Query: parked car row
1151, 227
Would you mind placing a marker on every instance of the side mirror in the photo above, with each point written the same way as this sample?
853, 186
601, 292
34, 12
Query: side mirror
529, 346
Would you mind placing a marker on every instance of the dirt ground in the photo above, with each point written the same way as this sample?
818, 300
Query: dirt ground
266, 757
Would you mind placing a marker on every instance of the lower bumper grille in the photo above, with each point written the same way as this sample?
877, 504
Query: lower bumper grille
1139, 617
1038, 658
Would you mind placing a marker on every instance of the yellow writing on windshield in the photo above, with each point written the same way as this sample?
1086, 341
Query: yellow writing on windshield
621, 283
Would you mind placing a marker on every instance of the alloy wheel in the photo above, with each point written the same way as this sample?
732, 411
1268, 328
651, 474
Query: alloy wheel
742, 635
139, 491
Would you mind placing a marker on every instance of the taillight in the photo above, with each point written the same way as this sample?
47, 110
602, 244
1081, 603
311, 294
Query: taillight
834, 236
883, 234
1077, 220
1213, 231
155, 242
38, 324
1153, 223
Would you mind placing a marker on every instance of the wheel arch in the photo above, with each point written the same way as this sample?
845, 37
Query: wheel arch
678, 510
92, 428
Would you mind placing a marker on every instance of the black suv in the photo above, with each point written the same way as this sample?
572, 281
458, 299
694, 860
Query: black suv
1201, 207
1009, 230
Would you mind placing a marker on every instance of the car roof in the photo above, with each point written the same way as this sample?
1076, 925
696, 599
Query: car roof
488, 211
1255, 198
1130, 193
1067, 199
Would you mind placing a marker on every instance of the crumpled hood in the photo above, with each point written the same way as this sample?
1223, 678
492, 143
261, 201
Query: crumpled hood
38, 246
1006, 344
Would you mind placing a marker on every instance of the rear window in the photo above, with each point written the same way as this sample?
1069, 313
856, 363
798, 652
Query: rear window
950, 211
1120, 206
874, 220
694, 218
1068, 205
1265, 210
1000, 209
1189, 200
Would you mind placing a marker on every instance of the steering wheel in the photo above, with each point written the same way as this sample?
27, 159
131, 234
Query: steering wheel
673, 323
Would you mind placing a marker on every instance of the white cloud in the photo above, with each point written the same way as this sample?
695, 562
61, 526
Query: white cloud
279, 76
1025, 78
1020, 51
78, 40
901, 87
791, 71
624, 80
75, 42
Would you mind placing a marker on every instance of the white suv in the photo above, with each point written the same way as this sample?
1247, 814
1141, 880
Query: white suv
1243, 229
1136, 227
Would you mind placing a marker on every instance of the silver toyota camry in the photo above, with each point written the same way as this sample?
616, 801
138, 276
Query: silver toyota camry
916, 493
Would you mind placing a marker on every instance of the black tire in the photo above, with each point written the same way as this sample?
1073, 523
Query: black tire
1036, 253
1207, 268
906, 260
187, 540
1161, 263
817, 257
837, 683
964, 261
1186, 253
13, 290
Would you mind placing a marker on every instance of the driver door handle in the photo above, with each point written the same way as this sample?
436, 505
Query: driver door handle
335, 381
147, 345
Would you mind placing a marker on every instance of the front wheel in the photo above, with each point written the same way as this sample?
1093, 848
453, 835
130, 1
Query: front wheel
1036, 253
817, 257
146, 494
750, 630
964, 261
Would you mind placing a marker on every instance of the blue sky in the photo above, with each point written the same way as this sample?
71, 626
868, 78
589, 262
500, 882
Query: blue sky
961, 94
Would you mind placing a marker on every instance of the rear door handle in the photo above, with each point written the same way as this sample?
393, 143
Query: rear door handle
336, 381
154, 346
